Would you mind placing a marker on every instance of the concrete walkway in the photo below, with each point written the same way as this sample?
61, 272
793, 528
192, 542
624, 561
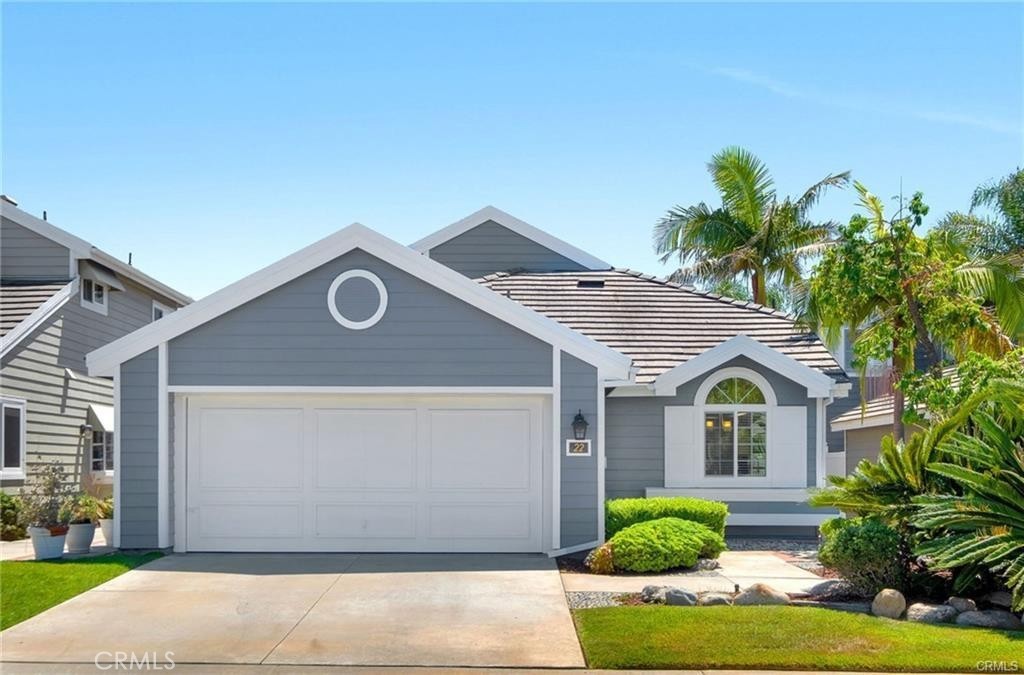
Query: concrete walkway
315, 609
90, 669
737, 568
22, 548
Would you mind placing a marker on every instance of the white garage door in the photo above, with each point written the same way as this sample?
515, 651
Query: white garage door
364, 474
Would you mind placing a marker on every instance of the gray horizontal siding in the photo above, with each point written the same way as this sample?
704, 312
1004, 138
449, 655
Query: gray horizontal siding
838, 407
491, 247
579, 509
138, 469
425, 338
57, 405
635, 433
25, 255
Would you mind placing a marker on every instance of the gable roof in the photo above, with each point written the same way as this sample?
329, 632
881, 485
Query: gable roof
25, 307
490, 213
82, 249
104, 360
658, 323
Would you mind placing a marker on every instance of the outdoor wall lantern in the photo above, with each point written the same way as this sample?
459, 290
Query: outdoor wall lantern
579, 426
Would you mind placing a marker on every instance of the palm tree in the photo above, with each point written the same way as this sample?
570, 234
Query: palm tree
752, 234
994, 225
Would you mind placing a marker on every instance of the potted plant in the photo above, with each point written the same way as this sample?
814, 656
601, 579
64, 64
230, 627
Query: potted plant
41, 503
105, 514
80, 511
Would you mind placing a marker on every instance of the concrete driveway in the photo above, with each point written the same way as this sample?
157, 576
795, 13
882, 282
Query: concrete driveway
322, 609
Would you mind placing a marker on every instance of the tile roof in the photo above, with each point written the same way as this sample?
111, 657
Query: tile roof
883, 406
657, 323
17, 301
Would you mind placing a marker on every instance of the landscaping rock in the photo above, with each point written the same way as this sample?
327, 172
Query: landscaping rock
991, 618
761, 594
679, 597
828, 588
962, 604
999, 599
714, 598
889, 603
654, 594
928, 613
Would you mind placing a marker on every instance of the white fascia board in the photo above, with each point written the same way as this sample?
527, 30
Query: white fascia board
84, 250
37, 318
103, 360
866, 422
520, 227
818, 384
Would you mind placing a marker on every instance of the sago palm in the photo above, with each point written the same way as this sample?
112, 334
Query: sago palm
752, 235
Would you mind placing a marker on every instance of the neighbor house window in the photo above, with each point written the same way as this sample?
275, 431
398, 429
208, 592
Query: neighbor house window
736, 430
94, 295
160, 310
102, 451
12, 433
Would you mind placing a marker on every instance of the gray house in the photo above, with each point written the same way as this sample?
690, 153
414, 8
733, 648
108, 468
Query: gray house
61, 297
485, 389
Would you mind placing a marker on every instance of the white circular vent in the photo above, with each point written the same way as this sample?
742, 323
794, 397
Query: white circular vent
332, 299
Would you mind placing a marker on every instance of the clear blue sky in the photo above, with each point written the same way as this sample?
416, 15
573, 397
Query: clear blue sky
211, 140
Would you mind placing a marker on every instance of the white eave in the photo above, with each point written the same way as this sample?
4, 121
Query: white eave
819, 385
610, 363
490, 213
864, 422
37, 318
83, 250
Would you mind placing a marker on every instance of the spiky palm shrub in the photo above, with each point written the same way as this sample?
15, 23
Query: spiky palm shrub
983, 526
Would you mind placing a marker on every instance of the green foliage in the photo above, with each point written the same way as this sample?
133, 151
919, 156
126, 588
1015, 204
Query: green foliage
105, 509
866, 552
600, 560
752, 235
44, 497
621, 513
80, 508
995, 223
942, 393
662, 544
981, 523
11, 528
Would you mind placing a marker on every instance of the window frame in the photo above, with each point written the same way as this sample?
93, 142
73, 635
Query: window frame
105, 444
164, 309
90, 302
14, 473
702, 407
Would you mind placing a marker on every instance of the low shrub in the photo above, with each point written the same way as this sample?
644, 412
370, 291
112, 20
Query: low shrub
11, 527
665, 543
599, 561
864, 551
621, 513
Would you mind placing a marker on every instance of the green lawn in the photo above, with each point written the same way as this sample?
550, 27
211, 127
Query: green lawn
28, 587
793, 638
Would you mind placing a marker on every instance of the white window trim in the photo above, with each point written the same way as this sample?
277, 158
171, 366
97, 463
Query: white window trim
701, 407
98, 307
162, 307
104, 473
16, 473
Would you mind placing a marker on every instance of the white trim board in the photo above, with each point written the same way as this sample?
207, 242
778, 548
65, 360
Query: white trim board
285, 389
524, 229
103, 360
787, 495
866, 422
818, 384
37, 318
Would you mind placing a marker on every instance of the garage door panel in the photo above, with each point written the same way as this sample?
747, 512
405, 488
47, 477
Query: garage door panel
480, 450
479, 521
365, 449
366, 521
240, 520
250, 448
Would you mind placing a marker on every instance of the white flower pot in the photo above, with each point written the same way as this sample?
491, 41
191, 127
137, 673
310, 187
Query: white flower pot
46, 545
80, 537
107, 527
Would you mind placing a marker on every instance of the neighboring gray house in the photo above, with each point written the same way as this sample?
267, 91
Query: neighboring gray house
362, 395
60, 298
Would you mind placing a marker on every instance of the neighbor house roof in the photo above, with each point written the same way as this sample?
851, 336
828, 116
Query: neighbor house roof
659, 324
878, 412
24, 307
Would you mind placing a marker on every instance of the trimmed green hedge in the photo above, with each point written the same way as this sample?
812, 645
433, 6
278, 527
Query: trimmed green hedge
621, 513
662, 544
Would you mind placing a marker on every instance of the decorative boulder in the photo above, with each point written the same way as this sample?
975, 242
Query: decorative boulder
761, 594
962, 604
889, 603
714, 598
654, 594
991, 618
679, 597
928, 613
828, 588
999, 599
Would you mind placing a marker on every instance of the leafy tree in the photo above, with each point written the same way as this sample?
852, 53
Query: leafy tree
752, 235
994, 225
902, 291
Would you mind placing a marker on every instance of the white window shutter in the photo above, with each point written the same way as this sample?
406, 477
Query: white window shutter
787, 447
680, 445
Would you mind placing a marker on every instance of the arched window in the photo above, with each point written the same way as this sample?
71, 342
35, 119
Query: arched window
736, 430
